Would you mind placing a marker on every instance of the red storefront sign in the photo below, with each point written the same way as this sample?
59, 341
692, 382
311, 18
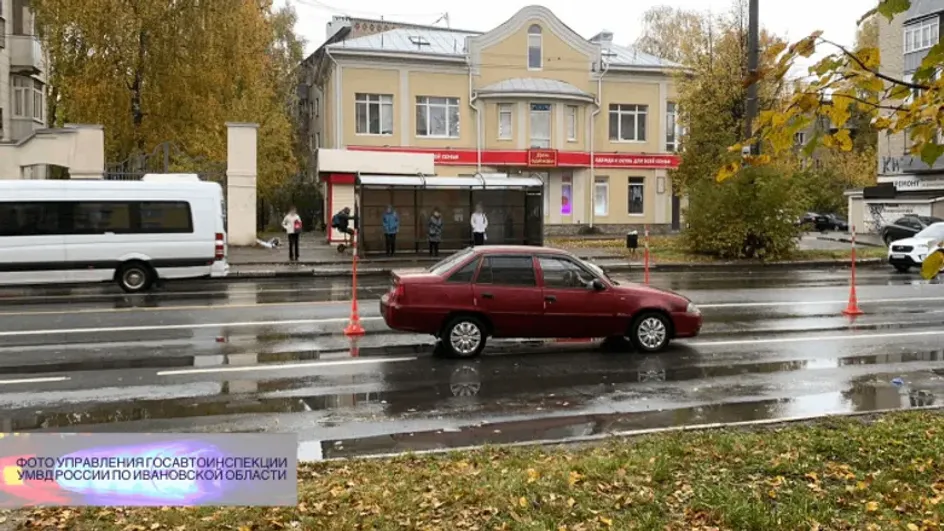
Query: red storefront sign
542, 157
547, 158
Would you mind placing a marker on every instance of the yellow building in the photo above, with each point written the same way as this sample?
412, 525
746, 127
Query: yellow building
595, 121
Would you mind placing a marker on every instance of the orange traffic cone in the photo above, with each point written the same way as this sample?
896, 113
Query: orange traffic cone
354, 328
852, 309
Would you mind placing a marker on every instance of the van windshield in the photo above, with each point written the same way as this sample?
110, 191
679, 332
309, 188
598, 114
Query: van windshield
444, 266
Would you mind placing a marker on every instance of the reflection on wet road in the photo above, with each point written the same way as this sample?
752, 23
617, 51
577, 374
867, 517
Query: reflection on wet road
268, 356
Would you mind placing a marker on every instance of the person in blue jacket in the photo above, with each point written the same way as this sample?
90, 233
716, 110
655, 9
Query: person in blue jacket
391, 226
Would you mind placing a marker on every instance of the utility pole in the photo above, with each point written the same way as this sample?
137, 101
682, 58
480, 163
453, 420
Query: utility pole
753, 52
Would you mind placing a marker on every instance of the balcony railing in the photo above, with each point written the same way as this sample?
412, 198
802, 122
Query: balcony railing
26, 55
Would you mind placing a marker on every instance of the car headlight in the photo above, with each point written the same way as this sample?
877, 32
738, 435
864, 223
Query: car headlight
692, 309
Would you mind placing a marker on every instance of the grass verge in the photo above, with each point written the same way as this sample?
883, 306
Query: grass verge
882, 473
670, 249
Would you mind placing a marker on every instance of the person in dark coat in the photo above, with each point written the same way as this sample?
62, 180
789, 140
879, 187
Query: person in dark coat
434, 228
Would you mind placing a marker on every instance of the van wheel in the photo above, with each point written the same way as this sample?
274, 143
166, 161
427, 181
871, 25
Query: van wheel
134, 277
650, 332
464, 336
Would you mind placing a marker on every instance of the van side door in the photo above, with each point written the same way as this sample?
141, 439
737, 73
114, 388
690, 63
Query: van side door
31, 243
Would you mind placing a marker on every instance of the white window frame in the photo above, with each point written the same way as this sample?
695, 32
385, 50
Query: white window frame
672, 128
506, 110
384, 103
631, 182
914, 38
571, 113
601, 182
543, 142
448, 105
28, 98
535, 40
641, 114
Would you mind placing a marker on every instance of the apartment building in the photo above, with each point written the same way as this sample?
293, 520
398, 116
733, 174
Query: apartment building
593, 120
911, 186
22, 73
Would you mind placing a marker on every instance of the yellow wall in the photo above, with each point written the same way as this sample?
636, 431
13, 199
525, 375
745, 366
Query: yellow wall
630, 94
328, 113
618, 203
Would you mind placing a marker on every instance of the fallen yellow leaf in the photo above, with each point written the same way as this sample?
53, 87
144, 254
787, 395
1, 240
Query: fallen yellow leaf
912, 527
571, 502
522, 501
871, 506
532, 475
606, 521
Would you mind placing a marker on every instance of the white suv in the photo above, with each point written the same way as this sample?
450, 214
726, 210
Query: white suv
911, 252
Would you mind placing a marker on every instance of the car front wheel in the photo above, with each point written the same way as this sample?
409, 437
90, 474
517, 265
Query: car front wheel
902, 268
650, 332
464, 336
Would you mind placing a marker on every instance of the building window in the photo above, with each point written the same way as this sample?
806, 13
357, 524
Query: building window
374, 114
672, 132
635, 200
437, 117
505, 117
628, 122
567, 195
601, 196
534, 47
541, 125
571, 118
922, 35
27, 98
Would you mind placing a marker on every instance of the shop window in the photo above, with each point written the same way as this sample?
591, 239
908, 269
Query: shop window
636, 200
601, 196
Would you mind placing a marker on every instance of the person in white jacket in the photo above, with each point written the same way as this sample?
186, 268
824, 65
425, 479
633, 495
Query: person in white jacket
293, 228
479, 225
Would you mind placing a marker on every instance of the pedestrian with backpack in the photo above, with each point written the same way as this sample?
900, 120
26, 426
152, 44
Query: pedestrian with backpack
292, 224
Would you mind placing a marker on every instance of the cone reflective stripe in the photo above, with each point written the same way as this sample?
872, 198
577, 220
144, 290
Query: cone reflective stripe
852, 309
354, 328
646, 258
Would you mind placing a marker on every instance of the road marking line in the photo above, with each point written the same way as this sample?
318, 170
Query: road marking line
812, 303
286, 366
152, 328
194, 307
49, 379
806, 339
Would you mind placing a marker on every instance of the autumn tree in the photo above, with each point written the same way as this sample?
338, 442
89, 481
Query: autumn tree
153, 71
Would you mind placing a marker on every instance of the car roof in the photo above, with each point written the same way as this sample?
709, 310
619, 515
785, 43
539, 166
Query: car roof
519, 249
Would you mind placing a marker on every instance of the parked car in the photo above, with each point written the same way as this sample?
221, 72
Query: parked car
825, 222
808, 219
906, 227
911, 252
532, 292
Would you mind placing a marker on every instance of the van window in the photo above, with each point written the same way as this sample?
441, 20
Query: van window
98, 218
166, 216
29, 219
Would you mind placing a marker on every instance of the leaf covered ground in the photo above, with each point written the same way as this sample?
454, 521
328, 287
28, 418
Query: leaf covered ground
672, 250
881, 473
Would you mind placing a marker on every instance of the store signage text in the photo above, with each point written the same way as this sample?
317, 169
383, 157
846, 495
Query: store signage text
547, 158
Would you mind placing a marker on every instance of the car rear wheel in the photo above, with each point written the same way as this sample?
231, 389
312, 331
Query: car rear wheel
464, 336
901, 268
650, 332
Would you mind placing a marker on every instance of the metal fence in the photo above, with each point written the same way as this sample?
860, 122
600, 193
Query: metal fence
166, 158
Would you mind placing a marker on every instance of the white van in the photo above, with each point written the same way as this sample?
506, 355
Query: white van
133, 233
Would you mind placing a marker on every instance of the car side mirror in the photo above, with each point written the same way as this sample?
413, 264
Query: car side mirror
597, 285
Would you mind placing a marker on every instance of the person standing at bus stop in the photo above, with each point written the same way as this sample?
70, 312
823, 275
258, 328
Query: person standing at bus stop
292, 224
391, 226
479, 223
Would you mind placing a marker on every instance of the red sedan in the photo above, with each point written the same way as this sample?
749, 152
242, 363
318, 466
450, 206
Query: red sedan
532, 292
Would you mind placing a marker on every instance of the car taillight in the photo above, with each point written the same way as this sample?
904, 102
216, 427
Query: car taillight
398, 292
219, 251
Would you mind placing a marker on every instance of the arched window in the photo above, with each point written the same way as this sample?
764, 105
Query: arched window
534, 47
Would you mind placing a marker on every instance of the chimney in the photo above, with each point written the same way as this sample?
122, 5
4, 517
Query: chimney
604, 39
337, 24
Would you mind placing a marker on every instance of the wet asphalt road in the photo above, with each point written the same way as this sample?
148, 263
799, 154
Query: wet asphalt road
268, 356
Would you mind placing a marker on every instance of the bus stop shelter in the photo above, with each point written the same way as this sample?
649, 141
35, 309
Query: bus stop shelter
513, 206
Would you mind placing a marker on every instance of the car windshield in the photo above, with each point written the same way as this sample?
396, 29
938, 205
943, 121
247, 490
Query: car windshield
934, 232
445, 265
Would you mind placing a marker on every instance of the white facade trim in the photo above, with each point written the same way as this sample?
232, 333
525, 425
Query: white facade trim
377, 54
412, 67
338, 107
524, 117
663, 111
536, 96
527, 16
405, 133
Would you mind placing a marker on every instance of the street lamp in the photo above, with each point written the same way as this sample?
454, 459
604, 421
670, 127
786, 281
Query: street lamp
753, 53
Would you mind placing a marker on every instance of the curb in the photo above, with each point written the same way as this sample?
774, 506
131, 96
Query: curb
849, 241
235, 274
625, 435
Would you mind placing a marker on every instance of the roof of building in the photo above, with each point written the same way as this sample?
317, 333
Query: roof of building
923, 8
534, 85
449, 42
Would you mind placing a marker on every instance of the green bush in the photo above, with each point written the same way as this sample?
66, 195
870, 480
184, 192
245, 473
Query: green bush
750, 215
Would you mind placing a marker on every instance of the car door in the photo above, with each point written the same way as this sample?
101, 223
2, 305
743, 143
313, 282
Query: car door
572, 308
507, 292
31, 243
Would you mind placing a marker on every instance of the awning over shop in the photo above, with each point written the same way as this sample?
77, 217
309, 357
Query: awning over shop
485, 182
